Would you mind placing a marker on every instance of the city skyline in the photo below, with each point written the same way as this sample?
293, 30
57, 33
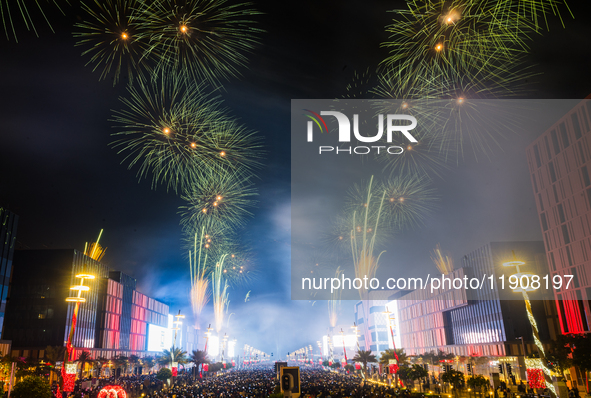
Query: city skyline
65, 182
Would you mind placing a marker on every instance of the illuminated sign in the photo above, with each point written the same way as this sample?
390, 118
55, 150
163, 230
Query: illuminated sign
231, 349
159, 338
213, 346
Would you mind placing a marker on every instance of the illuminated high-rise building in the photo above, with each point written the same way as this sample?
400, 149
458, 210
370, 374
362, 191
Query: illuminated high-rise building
115, 318
560, 167
8, 225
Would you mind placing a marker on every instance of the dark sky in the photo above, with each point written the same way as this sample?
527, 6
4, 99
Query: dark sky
60, 176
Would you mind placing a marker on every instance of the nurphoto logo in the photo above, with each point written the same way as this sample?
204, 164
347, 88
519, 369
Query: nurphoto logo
344, 135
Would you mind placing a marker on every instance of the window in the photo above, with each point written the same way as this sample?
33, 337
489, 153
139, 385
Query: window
565, 234
537, 156
576, 125
547, 147
544, 221
552, 172
564, 135
585, 174
560, 210
555, 143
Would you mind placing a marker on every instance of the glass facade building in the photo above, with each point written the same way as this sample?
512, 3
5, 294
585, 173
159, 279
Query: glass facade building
372, 323
483, 321
560, 167
8, 226
113, 320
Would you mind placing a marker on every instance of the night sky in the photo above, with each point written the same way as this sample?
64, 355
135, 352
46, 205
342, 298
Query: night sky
59, 174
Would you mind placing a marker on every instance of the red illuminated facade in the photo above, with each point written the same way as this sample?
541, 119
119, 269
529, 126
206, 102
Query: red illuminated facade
145, 310
560, 167
110, 316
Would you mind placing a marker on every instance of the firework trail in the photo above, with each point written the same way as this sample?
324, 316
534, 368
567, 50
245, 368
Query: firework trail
10, 10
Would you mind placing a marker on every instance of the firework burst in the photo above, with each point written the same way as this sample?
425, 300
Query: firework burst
94, 250
10, 10
217, 242
179, 135
206, 39
442, 261
408, 200
223, 198
458, 38
114, 39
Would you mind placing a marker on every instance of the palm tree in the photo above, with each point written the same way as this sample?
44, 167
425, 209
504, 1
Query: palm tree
417, 372
199, 357
100, 361
148, 363
389, 354
54, 354
83, 359
173, 355
134, 361
120, 361
365, 357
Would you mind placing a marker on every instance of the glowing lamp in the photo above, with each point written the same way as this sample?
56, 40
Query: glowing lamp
513, 263
85, 276
439, 47
76, 299
81, 288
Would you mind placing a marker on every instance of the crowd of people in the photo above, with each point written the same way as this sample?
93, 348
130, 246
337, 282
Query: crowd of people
261, 382
250, 383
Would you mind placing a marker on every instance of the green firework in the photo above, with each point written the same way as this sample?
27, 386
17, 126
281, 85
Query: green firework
458, 38
223, 198
114, 39
179, 134
13, 11
206, 39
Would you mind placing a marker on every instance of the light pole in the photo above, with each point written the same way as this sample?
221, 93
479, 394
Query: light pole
390, 318
207, 334
224, 341
344, 349
67, 376
548, 376
177, 326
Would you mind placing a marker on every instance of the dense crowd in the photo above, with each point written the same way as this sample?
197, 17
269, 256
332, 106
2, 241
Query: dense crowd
251, 383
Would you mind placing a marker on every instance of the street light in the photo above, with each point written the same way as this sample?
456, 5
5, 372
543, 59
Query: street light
344, 349
390, 318
207, 336
68, 380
